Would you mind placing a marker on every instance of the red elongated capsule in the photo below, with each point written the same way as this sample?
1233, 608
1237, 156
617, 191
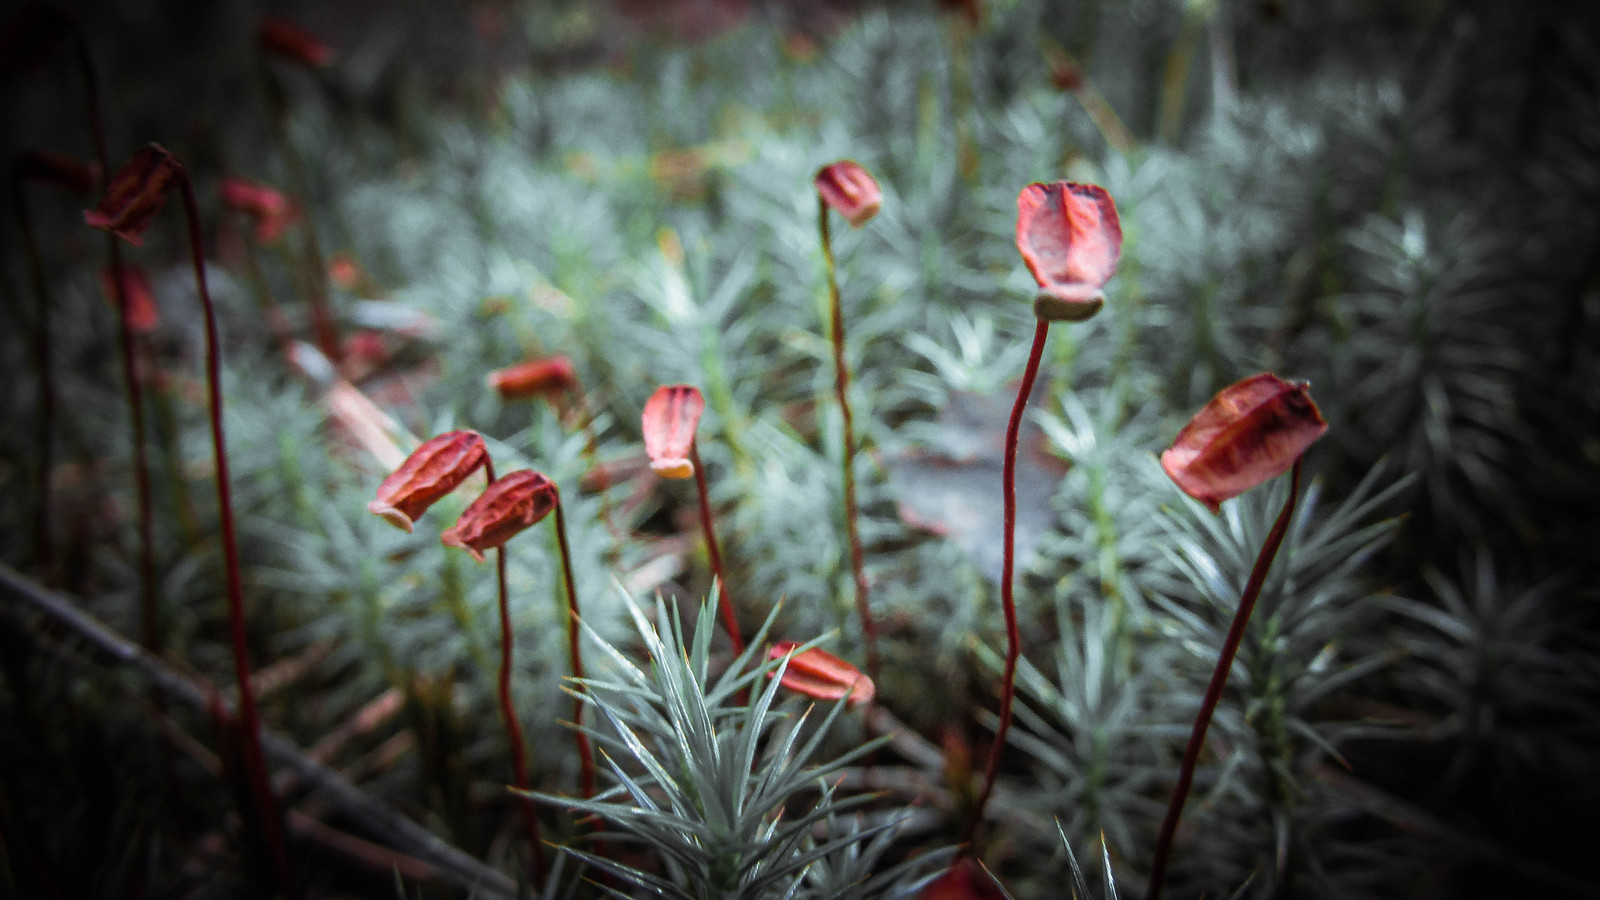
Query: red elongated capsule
514, 503
291, 42
534, 378
818, 673
1252, 431
267, 207
670, 417
431, 471
1070, 238
136, 293
850, 191
136, 193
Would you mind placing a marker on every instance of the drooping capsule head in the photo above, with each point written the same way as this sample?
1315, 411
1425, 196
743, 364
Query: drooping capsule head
268, 208
57, 170
1250, 432
670, 417
850, 191
510, 505
433, 470
551, 377
817, 673
286, 40
1070, 238
136, 194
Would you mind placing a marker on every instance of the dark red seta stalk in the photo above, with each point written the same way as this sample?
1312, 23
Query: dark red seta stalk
841, 372
1219, 680
1008, 604
144, 516
508, 710
574, 655
255, 762
68, 174
506, 508
289, 42
1070, 239
724, 601
671, 417
125, 341
47, 379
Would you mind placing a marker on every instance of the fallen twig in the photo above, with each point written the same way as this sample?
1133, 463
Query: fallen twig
375, 816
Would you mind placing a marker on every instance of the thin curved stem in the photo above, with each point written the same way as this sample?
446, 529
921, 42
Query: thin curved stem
841, 372
150, 633
508, 710
91, 87
43, 358
724, 601
1219, 680
255, 763
1007, 568
141, 459
315, 269
125, 341
602, 479
574, 654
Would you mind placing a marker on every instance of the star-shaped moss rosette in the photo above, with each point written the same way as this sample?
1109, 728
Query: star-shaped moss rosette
945, 486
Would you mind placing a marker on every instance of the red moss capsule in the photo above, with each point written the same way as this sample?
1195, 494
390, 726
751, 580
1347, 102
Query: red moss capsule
534, 378
818, 673
1070, 239
345, 272
140, 299
1066, 74
268, 208
1250, 432
291, 42
136, 193
850, 191
512, 504
432, 470
670, 417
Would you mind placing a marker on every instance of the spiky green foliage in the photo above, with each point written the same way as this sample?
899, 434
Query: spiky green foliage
1092, 728
1489, 652
723, 790
1398, 207
1302, 645
1079, 889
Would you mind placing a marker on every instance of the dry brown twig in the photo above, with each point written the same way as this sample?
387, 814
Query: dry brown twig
405, 837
